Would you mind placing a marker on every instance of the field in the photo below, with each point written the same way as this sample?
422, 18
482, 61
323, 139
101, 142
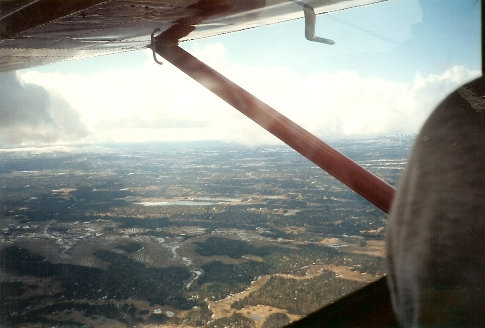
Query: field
188, 235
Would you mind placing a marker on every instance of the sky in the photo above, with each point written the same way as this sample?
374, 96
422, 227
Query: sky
391, 64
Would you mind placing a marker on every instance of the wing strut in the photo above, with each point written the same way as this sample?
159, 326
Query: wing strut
341, 167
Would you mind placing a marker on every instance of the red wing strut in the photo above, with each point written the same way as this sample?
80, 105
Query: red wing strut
341, 167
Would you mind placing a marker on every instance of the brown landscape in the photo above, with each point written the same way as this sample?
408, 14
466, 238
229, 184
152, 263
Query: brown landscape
199, 238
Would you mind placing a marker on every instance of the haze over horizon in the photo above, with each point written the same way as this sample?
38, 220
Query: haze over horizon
376, 80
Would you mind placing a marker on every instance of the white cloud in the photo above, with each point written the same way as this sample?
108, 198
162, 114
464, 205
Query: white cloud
30, 114
160, 103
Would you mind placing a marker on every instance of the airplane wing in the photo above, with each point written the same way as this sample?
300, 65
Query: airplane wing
39, 32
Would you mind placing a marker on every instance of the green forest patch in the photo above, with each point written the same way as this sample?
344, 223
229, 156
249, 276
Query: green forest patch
299, 296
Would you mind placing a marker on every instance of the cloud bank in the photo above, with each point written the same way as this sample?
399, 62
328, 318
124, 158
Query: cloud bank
30, 114
160, 103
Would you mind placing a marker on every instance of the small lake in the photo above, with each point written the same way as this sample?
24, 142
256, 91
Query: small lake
179, 202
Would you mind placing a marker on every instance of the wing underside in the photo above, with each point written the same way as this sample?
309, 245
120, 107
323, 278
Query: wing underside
34, 33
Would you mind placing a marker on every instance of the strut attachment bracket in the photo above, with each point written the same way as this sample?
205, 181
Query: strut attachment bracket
152, 46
